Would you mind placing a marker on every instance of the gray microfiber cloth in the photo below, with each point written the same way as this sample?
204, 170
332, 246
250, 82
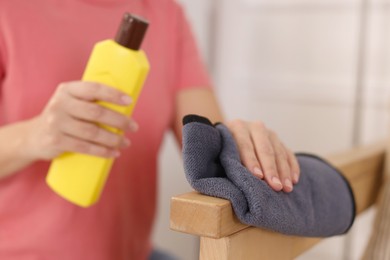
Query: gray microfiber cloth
321, 205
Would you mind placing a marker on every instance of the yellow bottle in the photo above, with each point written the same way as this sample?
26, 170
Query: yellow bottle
80, 178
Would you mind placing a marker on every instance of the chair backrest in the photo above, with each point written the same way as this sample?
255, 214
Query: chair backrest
223, 237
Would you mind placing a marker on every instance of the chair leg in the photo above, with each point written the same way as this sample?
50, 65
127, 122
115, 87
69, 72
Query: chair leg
378, 247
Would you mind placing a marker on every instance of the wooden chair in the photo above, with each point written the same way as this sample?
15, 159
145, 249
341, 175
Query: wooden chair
223, 237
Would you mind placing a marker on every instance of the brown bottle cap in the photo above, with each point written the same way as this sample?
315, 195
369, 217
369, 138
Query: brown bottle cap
131, 31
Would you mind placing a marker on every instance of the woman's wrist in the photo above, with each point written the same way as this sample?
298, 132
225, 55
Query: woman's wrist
16, 152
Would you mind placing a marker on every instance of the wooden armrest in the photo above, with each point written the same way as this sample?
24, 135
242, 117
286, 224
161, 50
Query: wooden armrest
213, 218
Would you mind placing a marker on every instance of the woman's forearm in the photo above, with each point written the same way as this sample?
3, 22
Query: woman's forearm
13, 153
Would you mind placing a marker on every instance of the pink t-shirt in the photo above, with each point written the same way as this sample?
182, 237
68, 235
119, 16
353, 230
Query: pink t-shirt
45, 42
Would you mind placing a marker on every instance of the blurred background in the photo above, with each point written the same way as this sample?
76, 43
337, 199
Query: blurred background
315, 71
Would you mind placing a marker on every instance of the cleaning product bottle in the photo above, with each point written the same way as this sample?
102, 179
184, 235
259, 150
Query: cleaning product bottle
118, 63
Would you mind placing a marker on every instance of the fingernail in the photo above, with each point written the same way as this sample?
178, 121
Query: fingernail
288, 184
126, 100
276, 181
258, 172
296, 177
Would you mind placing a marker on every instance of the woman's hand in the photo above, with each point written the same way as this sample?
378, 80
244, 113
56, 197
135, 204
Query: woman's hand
70, 122
264, 154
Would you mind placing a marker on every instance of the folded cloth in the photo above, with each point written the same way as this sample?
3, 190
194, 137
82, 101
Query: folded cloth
321, 205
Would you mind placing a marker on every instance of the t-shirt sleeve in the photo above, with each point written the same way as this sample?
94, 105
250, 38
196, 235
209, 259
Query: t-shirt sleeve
190, 69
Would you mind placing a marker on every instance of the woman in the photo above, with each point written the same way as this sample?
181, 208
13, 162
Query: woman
45, 111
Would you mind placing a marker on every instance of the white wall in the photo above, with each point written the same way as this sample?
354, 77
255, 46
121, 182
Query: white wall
296, 65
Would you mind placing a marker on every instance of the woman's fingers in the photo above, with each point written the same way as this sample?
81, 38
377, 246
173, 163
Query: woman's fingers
264, 154
93, 112
91, 91
245, 147
283, 165
93, 133
295, 169
69, 143
73, 121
